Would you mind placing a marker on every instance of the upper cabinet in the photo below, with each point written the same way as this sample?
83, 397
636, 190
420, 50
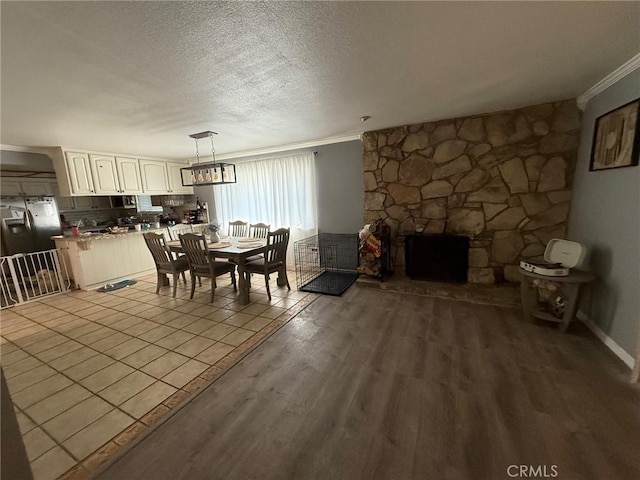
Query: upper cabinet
162, 177
105, 175
154, 177
10, 188
36, 187
175, 178
129, 175
86, 174
115, 175
79, 173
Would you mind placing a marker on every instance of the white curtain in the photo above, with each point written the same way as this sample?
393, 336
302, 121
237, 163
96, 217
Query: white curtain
278, 191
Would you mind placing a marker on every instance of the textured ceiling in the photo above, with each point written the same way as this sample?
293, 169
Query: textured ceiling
139, 77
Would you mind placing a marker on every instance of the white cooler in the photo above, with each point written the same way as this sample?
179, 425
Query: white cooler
560, 256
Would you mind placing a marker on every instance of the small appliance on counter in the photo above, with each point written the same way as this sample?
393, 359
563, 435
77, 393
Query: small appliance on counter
168, 219
198, 213
126, 221
560, 256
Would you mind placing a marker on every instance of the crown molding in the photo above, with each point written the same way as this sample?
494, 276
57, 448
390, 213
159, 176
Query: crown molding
291, 146
224, 156
618, 74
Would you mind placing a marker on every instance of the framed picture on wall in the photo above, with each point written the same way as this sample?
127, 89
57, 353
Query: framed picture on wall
616, 139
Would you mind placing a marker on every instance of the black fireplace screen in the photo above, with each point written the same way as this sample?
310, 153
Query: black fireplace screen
440, 258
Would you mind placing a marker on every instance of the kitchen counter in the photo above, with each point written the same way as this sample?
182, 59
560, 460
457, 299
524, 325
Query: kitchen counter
88, 236
96, 259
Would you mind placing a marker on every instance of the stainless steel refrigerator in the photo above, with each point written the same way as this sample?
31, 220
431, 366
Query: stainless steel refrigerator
28, 223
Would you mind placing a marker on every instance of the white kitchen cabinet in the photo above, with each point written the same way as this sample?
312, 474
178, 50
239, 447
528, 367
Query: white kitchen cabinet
95, 173
105, 175
115, 175
27, 187
10, 188
129, 175
163, 177
108, 260
78, 170
35, 187
175, 178
154, 177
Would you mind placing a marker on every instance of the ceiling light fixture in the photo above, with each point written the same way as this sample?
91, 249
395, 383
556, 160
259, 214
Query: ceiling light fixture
209, 173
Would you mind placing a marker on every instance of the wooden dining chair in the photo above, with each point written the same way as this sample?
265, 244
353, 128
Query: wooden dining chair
165, 261
238, 228
259, 230
176, 230
201, 264
274, 260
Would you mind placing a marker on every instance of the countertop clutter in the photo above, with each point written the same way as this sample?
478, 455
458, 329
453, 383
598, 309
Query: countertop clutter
88, 236
96, 259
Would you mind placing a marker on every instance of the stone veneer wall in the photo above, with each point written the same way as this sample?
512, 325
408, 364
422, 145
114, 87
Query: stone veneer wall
503, 179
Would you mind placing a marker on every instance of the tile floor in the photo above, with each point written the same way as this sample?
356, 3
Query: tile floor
88, 372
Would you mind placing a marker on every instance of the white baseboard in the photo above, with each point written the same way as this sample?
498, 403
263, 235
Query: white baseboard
620, 352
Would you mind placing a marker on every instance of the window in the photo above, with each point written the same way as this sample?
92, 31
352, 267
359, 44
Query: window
278, 191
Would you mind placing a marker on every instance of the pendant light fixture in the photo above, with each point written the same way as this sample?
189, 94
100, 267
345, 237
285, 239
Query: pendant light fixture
208, 173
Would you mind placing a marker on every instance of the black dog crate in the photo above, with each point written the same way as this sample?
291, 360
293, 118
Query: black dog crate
326, 263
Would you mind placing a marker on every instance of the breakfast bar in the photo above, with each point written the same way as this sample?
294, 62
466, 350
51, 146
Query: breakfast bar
94, 260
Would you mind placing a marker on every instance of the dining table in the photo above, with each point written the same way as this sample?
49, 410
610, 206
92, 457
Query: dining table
237, 250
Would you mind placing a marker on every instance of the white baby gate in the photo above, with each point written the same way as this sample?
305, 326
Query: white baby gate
29, 276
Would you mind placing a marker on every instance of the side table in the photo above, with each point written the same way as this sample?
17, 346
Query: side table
572, 290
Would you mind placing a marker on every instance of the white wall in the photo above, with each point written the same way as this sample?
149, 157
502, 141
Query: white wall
605, 216
340, 187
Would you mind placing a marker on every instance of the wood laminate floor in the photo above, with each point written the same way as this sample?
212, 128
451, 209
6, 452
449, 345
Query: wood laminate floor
375, 385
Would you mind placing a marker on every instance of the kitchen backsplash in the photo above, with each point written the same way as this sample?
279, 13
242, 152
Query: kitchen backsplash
145, 211
100, 216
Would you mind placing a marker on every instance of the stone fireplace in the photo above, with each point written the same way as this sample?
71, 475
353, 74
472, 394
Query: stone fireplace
502, 179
